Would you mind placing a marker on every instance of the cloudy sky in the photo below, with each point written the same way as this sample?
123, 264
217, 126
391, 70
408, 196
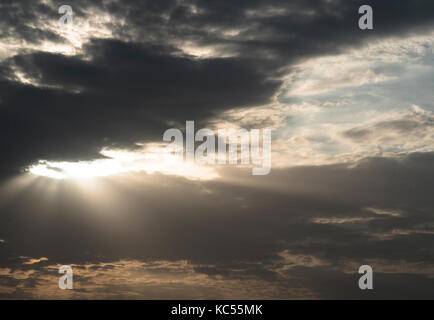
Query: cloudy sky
82, 177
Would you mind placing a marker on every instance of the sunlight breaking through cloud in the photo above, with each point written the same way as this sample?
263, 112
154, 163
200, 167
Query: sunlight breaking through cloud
150, 158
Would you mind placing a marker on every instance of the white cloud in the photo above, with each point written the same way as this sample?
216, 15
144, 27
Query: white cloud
356, 67
341, 220
382, 135
149, 158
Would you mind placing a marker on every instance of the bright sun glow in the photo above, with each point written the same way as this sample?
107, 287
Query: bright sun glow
151, 158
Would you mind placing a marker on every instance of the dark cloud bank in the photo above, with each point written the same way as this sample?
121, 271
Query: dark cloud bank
223, 228
132, 87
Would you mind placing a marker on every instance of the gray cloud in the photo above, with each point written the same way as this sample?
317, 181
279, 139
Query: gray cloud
238, 232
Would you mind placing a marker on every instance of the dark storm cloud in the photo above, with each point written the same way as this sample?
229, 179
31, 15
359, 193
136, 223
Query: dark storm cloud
128, 93
237, 232
23, 20
283, 30
133, 87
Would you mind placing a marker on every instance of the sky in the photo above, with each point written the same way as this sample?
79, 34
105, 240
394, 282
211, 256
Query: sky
84, 180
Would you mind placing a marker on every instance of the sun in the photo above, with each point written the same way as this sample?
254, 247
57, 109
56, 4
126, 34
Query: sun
76, 170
